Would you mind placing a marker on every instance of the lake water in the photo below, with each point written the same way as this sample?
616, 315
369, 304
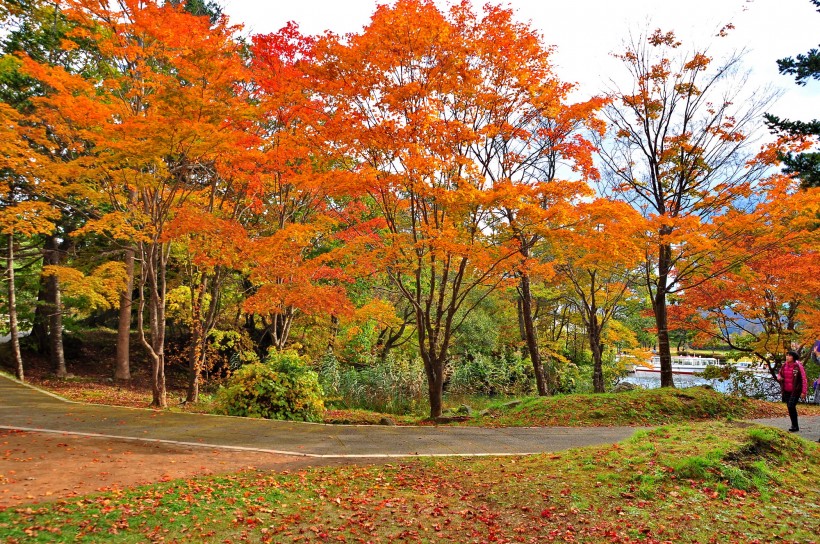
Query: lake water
762, 384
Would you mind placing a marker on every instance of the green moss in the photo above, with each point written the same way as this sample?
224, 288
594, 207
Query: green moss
639, 407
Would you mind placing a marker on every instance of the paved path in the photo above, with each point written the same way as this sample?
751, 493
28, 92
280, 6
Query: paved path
26, 408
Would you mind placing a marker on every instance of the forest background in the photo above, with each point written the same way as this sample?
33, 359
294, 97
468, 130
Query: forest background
420, 207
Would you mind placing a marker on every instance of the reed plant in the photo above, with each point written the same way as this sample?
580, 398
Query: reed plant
396, 386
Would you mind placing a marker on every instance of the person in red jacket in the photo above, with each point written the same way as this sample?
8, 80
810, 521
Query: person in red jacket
792, 378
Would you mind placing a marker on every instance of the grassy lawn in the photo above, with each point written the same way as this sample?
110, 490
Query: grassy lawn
702, 482
639, 407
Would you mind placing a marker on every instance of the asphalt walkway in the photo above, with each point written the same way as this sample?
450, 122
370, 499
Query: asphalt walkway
23, 407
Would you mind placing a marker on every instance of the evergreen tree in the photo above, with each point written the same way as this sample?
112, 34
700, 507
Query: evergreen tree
212, 10
803, 67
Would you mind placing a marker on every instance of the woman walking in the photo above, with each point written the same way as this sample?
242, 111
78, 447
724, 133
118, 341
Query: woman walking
792, 378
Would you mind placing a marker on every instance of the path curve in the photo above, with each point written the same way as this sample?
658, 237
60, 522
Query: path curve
23, 407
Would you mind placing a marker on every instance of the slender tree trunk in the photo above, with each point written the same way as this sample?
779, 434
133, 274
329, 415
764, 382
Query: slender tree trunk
160, 395
14, 331
55, 326
159, 398
39, 329
152, 276
334, 332
522, 331
196, 359
122, 368
661, 316
280, 330
532, 334
55, 311
597, 355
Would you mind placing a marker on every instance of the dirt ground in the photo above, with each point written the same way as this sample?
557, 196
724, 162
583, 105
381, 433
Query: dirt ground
44, 467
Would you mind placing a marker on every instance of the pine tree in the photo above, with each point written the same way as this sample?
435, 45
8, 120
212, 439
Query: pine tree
803, 67
212, 10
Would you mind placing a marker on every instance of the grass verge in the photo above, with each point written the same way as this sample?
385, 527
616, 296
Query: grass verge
705, 482
638, 408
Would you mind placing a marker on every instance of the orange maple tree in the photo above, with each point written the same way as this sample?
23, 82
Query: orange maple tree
298, 205
20, 215
529, 141
598, 257
161, 123
36, 28
682, 152
451, 116
766, 302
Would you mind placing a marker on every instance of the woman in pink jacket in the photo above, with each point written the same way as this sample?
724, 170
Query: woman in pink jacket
792, 378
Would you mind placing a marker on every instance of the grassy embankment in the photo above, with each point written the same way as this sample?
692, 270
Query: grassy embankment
639, 407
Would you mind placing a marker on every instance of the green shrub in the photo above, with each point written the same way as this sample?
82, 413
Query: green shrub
742, 383
283, 387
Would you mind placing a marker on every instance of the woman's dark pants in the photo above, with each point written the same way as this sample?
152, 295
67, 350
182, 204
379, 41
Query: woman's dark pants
791, 404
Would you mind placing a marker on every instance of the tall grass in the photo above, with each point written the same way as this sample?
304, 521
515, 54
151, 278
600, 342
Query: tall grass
492, 375
396, 386
399, 384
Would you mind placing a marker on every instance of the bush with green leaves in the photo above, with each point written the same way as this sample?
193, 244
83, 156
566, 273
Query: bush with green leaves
479, 333
741, 382
282, 387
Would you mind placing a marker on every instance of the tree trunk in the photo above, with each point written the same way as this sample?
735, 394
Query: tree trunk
13, 329
160, 396
39, 329
55, 326
196, 358
522, 331
280, 330
664, 351
531, 334
434, 368
433, 364
55, 311
196, 361
122, 368
661, 317
597, 355
152, 276
334, 333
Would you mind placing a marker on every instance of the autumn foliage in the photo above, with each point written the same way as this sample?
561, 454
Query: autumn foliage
387, 190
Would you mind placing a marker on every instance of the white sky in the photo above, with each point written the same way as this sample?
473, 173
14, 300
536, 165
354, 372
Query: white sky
586, 31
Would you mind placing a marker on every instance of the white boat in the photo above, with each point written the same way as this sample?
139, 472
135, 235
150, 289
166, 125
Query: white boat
691, 364
682, 364
752, 367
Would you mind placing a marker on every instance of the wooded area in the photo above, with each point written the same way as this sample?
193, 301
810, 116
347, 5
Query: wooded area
427, 189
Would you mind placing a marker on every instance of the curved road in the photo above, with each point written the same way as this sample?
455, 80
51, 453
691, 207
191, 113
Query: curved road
23, 407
